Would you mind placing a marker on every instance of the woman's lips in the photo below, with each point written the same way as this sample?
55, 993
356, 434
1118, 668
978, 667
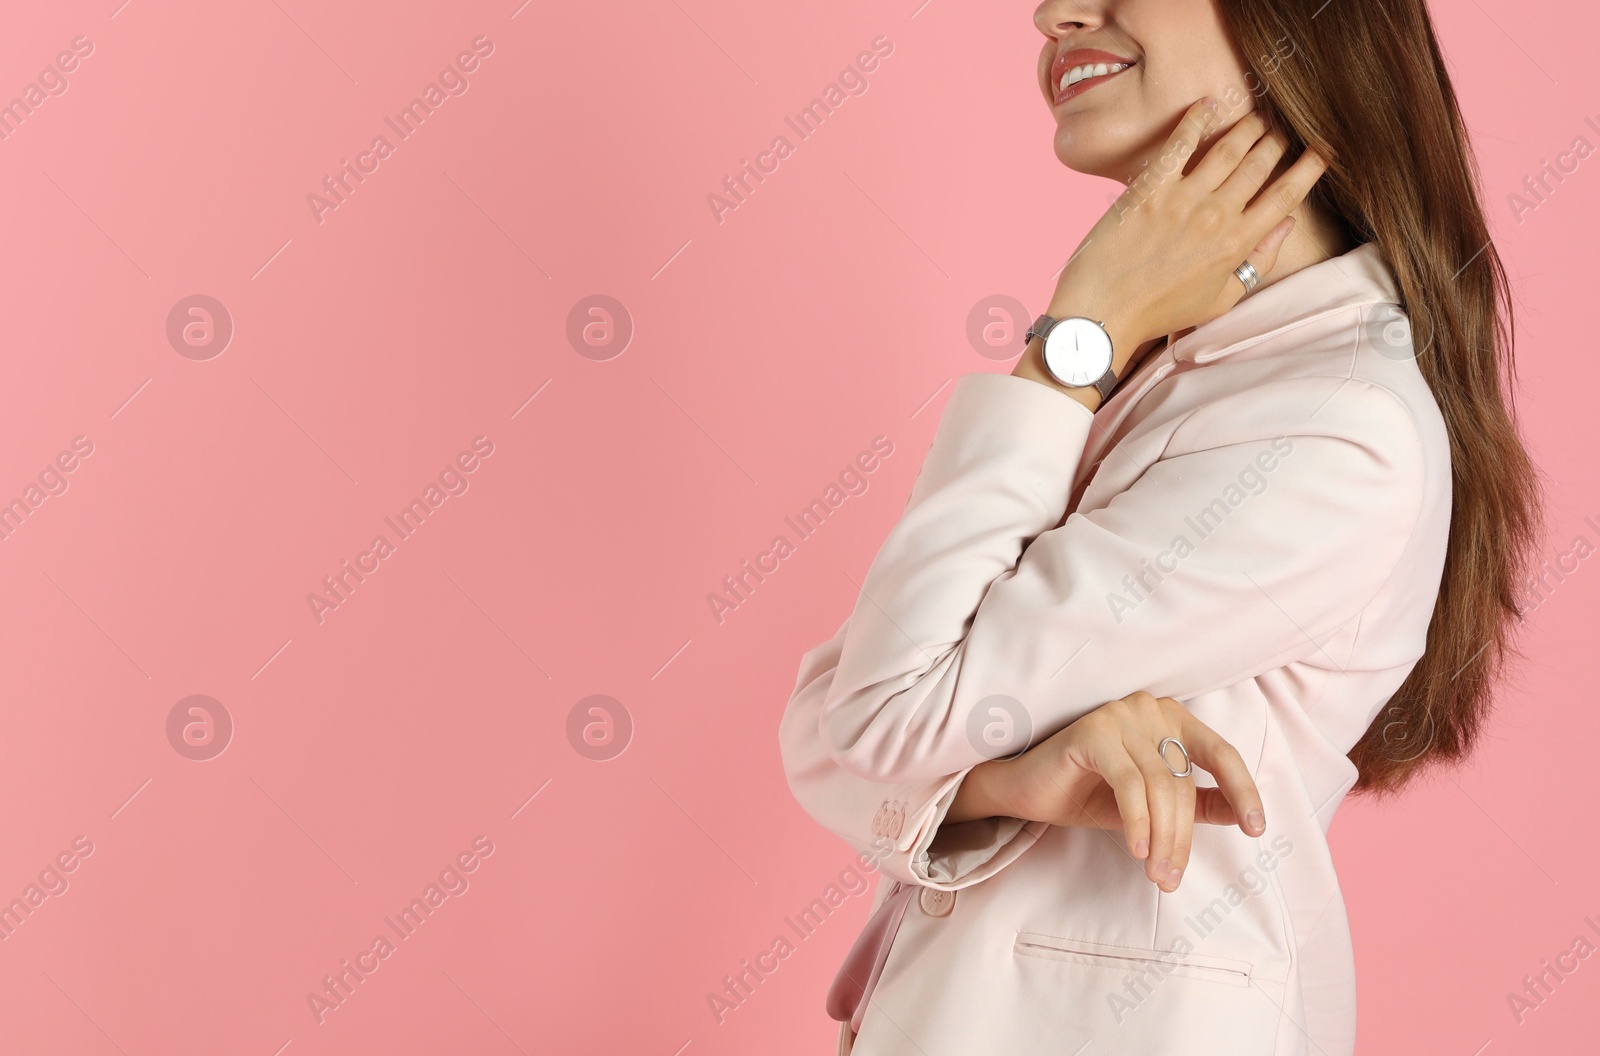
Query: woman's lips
1087, 57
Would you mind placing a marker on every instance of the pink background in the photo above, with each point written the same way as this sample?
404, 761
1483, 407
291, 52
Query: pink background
431, 707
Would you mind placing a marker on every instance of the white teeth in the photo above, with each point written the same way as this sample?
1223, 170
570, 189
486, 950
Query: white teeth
1080, 73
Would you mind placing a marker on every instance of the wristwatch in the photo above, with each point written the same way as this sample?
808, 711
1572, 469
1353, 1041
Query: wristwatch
1077, 352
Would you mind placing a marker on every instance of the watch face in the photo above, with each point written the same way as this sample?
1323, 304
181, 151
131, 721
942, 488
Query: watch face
1077, 352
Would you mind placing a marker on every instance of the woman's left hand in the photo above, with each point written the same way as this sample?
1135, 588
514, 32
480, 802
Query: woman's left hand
1105, 771
1162, 257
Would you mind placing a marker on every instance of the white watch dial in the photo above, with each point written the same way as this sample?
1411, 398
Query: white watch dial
1077, 352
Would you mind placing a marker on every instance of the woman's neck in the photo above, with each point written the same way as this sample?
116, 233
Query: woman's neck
1316, 237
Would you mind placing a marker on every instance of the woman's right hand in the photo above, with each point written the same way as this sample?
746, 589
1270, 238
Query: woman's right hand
1103, 772
1162, 258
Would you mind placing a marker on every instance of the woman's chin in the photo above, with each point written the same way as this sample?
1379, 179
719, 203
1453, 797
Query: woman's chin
1081, 157
1117, 152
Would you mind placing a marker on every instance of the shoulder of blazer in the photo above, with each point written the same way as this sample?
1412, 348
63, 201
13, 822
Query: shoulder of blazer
1354, 409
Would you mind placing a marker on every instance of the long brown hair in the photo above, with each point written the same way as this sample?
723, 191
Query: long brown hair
1367, 87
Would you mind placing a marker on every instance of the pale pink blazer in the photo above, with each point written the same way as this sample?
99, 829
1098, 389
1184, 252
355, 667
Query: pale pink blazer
1254, 524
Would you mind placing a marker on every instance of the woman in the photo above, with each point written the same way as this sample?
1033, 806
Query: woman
1301, 513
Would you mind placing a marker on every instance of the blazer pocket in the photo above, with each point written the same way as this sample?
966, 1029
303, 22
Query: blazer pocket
1125, 959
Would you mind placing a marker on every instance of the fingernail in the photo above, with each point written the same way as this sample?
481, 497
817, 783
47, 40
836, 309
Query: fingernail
1212, 103
1161, 870
1256, 819
1141, 848
1173, 877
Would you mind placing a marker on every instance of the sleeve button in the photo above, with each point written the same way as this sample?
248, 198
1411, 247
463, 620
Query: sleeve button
936, 903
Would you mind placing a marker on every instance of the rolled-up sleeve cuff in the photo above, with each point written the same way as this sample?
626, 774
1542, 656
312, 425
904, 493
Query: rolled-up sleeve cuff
929, 853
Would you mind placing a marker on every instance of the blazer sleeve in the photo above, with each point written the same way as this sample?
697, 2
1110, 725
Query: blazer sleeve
1269, 520
1272, 517
900, 824
897, 826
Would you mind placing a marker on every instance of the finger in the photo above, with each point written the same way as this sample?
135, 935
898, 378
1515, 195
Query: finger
1181, 145
1264, 257
1172, 722
1222, 761
1211, 807
1224, 156
1281, 197
1182, 832
1161, 794
1246, 179
1127, 784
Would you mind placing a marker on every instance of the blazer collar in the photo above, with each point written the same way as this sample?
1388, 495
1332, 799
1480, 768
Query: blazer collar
1357, 277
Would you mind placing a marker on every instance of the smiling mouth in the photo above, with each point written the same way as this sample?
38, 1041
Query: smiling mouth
1079, 77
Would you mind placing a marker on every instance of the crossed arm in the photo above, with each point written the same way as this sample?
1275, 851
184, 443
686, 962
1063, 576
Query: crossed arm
1271, 519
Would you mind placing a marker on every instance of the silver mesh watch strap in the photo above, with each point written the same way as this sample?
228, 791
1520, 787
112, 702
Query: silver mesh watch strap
1107, 382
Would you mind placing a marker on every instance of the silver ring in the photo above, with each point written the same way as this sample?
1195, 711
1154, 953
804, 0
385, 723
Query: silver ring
1247, 274
1161, 750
